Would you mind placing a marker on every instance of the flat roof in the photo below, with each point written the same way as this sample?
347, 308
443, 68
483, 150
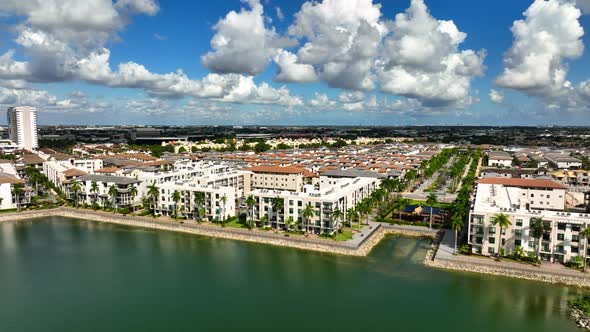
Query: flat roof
527, 183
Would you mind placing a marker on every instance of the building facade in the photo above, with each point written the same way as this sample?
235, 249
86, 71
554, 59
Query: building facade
22, 126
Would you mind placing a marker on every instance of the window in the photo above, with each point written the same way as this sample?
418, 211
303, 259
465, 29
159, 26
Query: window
518, 222
560, 237
492, 219
492, 230
548, 196
532, 195
518, 232
575, 238
532, 244
491, 250
575, 250
491, 240
517, 243
561, 227
503, 242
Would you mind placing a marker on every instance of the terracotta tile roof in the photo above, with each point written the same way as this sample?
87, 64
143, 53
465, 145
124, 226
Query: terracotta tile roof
8, 178
528, 183
31, 159
108, 170
277, 169
74, 172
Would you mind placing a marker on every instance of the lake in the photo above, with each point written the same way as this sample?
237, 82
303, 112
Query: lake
60, 274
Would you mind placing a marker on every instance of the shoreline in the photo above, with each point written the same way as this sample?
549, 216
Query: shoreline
363, 248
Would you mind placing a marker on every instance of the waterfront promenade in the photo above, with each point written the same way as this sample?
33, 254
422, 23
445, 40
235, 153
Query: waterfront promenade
360, 245
548, 272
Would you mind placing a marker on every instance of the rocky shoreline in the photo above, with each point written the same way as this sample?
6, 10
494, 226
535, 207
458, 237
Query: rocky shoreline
580, 318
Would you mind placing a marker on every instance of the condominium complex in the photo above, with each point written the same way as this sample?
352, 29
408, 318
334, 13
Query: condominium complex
220, 202
22, 126
522, 200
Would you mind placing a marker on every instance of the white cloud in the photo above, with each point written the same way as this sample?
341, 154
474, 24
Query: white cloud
351, 96
148, 7
322, 101
242, 44
549, 34
496, 96
421, 59
279, 12
342, 40
291, 71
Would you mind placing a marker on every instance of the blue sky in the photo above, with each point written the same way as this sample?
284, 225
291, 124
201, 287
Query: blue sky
344, 62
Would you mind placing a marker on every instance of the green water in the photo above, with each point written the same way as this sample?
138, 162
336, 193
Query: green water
72, 275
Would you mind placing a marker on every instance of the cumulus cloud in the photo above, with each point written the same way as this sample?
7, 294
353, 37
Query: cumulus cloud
342, 40
322, 101
496, 96
421, 59
242, 44
291, 71
549, 35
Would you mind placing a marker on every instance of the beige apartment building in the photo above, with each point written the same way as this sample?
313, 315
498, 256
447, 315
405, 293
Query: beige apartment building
286, 178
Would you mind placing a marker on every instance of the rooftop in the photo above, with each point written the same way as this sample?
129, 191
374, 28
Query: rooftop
526, 183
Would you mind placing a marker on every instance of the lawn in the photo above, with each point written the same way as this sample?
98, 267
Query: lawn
236, 224
345, 235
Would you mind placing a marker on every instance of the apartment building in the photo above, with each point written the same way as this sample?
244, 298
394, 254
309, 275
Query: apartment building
220, 202
344, 194
522, 200
22, 126
499, 159
101, 194
287, 178
563, 161
61, 173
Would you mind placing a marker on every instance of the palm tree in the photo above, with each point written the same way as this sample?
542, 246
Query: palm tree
350, 215
132, 190
176, 198
17, 191
308, 213
585, 234
431, 200
34, 176
401, 204
264, 220
288, 223
337, 215
277, 205
75, 188
251, 201
223, 202
94, 189
457, 224
503, 222
153, 193
200, 199
113, 191
537, 227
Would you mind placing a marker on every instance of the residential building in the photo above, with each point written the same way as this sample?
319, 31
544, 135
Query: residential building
22, 126
220, 202
499, 159
101, 193
522, 200
286, 178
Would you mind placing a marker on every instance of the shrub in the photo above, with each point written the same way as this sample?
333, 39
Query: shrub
465, 250
575, 262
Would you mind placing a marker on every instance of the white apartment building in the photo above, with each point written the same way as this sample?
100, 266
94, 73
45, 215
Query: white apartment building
215, 207
563, 161
22, 126
499, 159
101, 196
344, 194
521, 200
278, 178
61, 173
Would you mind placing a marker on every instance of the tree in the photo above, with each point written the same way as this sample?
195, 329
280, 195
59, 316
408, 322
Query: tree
308, 213
113, 191
288, 223
585, 234
132, 190
337, 215
176, 198
200, 199
17, 191
537, 228
223, 202
503, 222
75, 188
34, 177
457, 224
401, 204
350, 215
94, 189
278, 204
264, 220
251, 201
153, 193
431, 200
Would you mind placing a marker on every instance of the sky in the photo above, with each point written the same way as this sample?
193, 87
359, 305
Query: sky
295, 62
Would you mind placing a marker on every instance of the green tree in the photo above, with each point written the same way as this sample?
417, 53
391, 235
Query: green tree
585, 234
278, 204
34, 177
537, 229
113, 191
457, 225
200, 199
337, 215
350, 216
94, 189
400, 204
308, 213
153, 193
251, 201
75, 188
132, 191
431, 200
503, 222
176, 198
17, 191
223, 203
